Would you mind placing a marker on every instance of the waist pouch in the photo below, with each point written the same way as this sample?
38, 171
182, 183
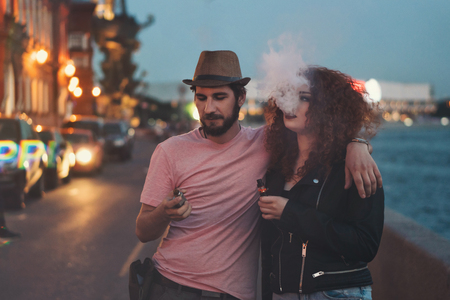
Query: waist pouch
140, 279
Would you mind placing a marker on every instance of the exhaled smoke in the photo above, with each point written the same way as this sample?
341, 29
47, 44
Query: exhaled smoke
280, 69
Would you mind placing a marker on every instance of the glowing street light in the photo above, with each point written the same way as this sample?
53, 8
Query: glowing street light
41, 56
96, 91
78, 92
73, 83
373, 88
70, 69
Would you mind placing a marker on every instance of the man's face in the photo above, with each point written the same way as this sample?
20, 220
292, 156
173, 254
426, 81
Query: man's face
218, 108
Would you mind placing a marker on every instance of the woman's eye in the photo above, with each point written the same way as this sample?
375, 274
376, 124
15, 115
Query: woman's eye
304, 98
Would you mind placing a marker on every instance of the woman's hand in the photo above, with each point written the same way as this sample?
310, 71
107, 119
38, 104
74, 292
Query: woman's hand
272, 206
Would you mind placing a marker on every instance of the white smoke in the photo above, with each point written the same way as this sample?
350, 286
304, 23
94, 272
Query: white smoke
280, 69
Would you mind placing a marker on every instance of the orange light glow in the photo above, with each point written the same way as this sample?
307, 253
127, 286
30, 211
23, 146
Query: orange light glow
78, 92
70, 69
41, 56
38, 128
96, 91
73, 83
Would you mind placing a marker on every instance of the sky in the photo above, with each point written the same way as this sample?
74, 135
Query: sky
405, 41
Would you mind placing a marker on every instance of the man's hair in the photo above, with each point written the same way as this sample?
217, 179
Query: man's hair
238, 90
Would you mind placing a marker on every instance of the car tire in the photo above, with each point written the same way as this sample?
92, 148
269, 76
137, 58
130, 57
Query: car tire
51, 179
67, 179
37, 190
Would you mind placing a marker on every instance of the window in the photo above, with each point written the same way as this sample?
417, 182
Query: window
81, 61
25, 129
78, 40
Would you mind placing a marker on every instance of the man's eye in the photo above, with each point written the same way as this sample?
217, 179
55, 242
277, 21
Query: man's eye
201, 98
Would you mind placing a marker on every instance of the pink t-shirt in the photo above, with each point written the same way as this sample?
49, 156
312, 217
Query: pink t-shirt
217, 247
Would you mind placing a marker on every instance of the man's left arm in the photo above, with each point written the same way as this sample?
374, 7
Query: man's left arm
362, 169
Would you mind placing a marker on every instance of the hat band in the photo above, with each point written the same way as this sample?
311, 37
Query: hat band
216, 77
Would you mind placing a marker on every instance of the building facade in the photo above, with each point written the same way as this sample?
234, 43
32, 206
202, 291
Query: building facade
37, 40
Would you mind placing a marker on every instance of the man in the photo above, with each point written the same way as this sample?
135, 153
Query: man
211, 249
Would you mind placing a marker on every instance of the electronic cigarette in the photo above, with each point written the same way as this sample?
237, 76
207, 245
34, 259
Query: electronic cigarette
177, 193
261, 188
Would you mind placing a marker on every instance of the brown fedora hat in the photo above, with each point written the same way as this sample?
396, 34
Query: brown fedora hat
217, 68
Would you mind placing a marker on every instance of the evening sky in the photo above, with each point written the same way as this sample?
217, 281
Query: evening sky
390, 40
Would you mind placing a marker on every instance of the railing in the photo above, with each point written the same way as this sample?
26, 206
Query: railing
412, 263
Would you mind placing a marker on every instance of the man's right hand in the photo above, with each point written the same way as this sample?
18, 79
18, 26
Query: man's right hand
152, 221
173, 213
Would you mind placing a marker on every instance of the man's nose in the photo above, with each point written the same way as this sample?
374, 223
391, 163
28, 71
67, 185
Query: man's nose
210, 107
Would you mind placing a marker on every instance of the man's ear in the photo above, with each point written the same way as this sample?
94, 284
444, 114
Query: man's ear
241, 100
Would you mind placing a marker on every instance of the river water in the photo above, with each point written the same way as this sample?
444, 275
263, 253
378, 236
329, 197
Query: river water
415, 165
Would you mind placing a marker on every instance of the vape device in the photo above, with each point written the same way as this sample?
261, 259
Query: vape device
177, 193
261, 188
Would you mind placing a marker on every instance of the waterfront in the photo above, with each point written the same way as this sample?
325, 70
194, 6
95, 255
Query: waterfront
415, 165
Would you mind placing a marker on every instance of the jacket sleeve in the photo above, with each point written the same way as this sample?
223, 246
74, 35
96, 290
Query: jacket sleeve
351, 228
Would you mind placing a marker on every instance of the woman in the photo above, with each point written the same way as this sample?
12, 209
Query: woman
317, 236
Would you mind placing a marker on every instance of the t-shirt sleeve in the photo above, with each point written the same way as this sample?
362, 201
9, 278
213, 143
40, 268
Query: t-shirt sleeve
159, 180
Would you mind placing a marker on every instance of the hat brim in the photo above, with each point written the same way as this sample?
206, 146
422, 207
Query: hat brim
212, 83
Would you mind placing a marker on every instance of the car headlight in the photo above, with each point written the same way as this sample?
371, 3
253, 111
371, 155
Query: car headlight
119, 142
84, 156
72, 159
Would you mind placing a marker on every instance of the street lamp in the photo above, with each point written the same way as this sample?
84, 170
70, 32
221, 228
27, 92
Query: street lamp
70, 69
96, 91
73, 83
41, 56
78, 92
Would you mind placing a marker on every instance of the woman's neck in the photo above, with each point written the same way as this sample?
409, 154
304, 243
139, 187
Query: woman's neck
304, 147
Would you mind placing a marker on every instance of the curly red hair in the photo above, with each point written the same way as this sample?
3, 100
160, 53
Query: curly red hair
337, 113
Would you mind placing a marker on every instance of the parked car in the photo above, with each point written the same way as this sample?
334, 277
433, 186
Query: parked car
61, 158
89, 122
88, 150
119, 139
22, 161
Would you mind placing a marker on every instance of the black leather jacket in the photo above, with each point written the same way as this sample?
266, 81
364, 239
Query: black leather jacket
325, 237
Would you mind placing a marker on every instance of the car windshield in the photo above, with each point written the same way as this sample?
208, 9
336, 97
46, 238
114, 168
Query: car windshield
9, 130
112, 129
77, 138
45, 136
91, 125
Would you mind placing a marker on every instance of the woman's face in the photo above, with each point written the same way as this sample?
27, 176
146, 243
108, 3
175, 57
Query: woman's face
297, 122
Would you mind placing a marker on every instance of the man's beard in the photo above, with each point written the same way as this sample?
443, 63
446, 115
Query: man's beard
227, 123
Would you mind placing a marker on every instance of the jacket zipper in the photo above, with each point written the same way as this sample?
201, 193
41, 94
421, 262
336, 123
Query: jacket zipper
279, 261
320, 192
320, 273
304, 245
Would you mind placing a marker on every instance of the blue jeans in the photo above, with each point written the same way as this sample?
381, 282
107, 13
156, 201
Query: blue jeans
363, 293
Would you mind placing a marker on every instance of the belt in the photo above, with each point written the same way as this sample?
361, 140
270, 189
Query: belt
164, 281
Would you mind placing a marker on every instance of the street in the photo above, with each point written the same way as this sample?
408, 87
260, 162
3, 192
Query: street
78, 241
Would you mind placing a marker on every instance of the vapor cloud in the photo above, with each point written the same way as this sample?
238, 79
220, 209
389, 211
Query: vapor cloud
280, 68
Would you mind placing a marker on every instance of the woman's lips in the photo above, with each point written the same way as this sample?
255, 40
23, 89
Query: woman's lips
287, 116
